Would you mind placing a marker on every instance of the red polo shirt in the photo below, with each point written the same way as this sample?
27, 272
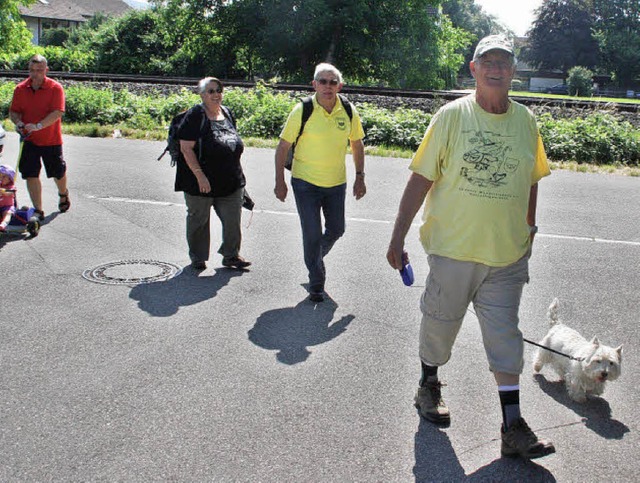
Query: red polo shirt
35, 105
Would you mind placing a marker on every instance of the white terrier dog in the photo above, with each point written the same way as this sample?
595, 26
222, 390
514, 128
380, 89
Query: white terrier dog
595, 365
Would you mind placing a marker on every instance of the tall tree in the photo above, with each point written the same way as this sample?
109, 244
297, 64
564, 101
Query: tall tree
396, 42
468, 15
617, 29
14, 34
561, 36
471, 17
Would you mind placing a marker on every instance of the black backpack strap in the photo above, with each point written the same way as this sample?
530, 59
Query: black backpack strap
307, 110
202, 123
227, 113
347, 106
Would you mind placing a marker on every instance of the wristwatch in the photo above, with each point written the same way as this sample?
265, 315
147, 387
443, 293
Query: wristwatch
39, 126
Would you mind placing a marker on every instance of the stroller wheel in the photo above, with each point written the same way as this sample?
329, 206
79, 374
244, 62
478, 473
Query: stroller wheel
33, 227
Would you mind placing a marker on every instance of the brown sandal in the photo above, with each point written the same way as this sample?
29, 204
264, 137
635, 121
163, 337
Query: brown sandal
64, 203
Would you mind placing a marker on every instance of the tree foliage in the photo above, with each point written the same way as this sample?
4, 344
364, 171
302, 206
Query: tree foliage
192, 37
561, 36
14, 34
396, 42
617, 30
580, 81
134, 43
468, 16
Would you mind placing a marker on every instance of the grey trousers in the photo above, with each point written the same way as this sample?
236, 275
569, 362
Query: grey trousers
495, 294
228, 209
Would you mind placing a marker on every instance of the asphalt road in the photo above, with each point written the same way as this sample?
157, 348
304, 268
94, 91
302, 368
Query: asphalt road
231, 376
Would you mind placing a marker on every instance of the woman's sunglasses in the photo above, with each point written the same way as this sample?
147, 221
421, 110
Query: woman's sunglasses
324, 82
216, 90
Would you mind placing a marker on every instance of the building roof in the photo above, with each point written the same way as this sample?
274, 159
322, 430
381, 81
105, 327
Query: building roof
74, 10
57, 10
109, 7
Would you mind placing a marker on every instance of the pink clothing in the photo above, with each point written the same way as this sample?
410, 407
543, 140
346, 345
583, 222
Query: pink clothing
8, 198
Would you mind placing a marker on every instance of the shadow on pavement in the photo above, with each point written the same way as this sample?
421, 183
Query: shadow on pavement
163, 299
436, 460
291, 330
596, 412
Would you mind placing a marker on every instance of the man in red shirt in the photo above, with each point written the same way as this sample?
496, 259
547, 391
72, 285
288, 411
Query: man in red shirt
36, 109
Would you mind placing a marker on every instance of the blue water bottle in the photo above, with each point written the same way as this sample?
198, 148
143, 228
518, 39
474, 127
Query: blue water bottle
407, 272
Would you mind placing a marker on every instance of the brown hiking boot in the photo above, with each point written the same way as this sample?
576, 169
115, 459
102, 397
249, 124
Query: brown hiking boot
519, 440
430, 405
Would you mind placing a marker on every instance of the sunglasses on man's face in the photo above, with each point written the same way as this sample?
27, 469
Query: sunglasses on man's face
324, 82
217, 90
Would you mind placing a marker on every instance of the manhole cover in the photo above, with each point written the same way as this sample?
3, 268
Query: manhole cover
132, 272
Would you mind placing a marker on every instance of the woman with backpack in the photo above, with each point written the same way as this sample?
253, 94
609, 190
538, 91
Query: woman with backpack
210, 175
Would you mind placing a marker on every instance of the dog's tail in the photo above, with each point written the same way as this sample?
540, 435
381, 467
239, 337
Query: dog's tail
552, 313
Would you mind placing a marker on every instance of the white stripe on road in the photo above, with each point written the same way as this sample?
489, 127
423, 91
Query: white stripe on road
366, 220
129, 200
591, 239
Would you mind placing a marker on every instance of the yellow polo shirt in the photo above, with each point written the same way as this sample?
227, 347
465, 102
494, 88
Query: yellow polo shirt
322, 147
482, 166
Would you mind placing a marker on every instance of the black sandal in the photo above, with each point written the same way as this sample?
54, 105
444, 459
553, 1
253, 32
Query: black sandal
64, 203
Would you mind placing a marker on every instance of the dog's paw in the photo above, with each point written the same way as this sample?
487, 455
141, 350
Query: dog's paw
577, 395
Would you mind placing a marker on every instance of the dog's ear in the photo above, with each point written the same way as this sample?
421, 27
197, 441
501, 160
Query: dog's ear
595, 341
619, 351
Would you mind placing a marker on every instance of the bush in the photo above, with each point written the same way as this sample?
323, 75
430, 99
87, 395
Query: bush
259, 112
6, 94
580, 82
597, 139
86, 105
55, 36
403, 128
58, 58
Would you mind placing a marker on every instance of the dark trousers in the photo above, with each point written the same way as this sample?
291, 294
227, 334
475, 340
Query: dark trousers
228, 209
313, 202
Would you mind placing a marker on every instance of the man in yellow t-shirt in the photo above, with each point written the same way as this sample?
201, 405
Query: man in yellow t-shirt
477, 172
318, 175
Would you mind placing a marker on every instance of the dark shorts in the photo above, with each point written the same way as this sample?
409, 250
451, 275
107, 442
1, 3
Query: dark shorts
51, 157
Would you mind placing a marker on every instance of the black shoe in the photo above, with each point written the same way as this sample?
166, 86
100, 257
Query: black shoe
235, 262
198, 265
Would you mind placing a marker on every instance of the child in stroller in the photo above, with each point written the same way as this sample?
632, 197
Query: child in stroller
7, 196
12, 218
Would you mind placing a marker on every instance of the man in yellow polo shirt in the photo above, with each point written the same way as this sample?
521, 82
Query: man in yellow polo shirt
478, 169
318, 175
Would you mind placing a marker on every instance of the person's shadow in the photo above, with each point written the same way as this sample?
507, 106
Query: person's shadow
596, 412
437, 461
291, 330
164, 299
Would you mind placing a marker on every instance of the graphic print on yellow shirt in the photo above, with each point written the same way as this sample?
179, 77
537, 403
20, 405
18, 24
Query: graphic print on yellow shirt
489, 161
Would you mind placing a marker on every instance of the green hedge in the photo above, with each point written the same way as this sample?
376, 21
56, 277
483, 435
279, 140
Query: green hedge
58, 58
597, 139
